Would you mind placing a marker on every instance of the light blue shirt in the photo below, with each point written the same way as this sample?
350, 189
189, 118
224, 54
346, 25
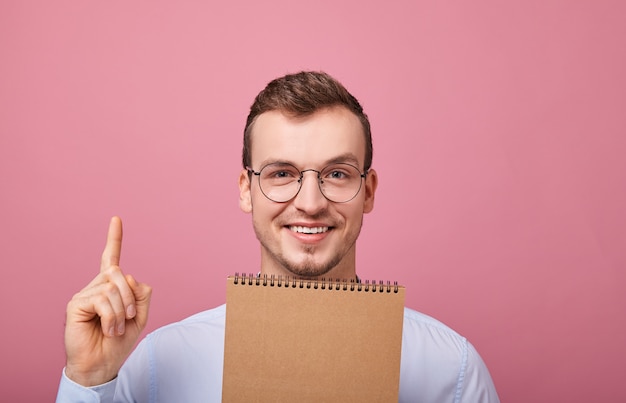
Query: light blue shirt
182, 362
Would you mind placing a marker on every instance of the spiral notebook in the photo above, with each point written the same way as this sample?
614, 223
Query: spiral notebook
312, 340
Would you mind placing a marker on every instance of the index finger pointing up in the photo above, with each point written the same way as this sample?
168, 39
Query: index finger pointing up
113, 248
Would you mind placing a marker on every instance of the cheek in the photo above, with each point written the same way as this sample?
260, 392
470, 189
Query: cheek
263, 209
352, 215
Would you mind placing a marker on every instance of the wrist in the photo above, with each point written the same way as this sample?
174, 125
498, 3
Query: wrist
88, 378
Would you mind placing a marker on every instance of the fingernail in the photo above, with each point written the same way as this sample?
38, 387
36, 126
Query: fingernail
111, 331
130, 311
120, 328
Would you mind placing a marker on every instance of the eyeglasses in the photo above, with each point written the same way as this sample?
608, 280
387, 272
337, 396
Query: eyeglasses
281, 182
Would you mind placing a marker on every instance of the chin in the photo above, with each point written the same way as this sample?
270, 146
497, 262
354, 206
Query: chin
311, 270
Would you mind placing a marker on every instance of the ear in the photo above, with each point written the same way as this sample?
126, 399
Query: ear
245, 200
371, 182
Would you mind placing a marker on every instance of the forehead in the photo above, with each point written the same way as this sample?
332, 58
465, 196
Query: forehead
308, 141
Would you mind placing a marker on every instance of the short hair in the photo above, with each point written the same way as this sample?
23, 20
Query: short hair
303, 94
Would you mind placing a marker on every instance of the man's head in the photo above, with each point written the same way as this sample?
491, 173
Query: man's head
302, 94
307, 179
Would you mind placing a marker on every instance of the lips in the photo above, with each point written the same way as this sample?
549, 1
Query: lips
308, 230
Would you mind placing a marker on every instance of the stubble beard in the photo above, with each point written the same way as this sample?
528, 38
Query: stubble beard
308, 268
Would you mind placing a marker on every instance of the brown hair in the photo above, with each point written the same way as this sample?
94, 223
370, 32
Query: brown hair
303, 94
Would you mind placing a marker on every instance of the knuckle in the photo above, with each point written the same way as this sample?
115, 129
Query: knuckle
110, 289
111, 271
101, 301
107, 317
76, 302
74, 298
71, 304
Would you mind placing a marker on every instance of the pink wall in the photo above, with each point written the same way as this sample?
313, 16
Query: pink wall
499, 140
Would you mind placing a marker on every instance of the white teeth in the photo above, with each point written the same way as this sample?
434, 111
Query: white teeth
308, 230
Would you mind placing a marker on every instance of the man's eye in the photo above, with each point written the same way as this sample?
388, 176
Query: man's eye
337, 175
282, 174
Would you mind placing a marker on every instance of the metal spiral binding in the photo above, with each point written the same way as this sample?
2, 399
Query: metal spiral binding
330, 284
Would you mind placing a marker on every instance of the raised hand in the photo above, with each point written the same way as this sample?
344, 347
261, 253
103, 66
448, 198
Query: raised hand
104, 320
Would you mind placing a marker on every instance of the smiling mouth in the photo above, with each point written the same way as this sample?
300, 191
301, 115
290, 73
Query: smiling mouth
308, 230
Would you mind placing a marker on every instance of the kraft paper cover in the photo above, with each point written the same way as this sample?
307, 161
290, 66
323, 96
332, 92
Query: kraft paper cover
311, 341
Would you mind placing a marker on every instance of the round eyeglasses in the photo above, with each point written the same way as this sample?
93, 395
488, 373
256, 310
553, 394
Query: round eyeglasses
281, 182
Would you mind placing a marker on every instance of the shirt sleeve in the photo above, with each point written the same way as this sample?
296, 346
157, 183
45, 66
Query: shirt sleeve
71, 392
475, 383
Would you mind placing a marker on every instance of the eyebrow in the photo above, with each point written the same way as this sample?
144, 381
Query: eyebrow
349, 158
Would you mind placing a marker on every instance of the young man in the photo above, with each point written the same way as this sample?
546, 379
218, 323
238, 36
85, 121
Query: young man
306, 180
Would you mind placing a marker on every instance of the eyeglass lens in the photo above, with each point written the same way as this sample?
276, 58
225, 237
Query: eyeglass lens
281, 182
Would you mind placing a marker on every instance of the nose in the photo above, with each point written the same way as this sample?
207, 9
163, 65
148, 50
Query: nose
310, 198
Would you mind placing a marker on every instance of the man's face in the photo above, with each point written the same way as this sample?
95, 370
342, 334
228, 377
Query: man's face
288, 245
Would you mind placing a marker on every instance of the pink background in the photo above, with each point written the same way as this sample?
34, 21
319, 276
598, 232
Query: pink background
499, 135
